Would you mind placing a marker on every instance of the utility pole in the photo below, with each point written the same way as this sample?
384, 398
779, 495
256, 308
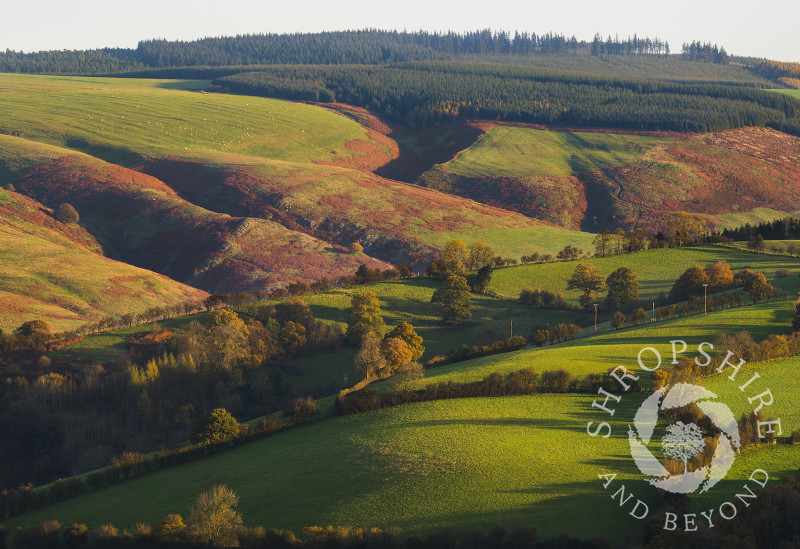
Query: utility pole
512, 327
705, 299
595, 318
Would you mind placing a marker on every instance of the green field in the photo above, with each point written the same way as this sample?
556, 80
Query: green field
469, 463
780, 376
125, 120
465, 463
523, 152
793, 93
598, 354
656, 270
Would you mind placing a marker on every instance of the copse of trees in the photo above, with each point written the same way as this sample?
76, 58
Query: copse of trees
787, 228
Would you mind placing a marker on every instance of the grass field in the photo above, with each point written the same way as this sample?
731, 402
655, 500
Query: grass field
466, 463
793, 93
780, 376
126, 120
469, 463
656, 270
599, 353
524, 152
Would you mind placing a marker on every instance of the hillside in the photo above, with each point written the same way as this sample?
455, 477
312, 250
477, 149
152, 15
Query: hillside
145, 223
466, 463
596, 180
55, 272
302, 168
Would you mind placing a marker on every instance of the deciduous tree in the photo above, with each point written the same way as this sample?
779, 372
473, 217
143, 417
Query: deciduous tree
758, 287
720, 276
406, 332
587, 279
216, 425
454, 298
689, 284
622, 288
365, 317
213, 519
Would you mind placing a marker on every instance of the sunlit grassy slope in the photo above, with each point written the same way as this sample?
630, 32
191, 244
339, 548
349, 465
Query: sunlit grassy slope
464, 463
598, 354
468, 463
126, 120
656, 270
54, 272
525, 152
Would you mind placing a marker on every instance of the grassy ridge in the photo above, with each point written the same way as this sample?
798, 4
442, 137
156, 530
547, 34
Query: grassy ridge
524, 152
391, 220
595, 181
125, 121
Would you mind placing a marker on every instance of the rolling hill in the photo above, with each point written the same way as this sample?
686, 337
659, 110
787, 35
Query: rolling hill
466, 463
147, 224
55, 272
602, 180
300, 175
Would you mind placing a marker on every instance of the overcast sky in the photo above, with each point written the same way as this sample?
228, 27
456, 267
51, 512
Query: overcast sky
768, 28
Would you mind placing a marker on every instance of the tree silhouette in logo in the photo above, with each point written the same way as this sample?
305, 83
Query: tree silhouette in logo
683, 442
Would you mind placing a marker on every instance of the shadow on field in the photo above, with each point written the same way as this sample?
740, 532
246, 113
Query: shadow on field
113, 155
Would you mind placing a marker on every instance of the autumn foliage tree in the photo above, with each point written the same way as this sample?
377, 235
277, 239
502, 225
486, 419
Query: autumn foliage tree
689, 284
216, 425
213, 520
720, 276
758, 287
406, 332
396, 353
365, 317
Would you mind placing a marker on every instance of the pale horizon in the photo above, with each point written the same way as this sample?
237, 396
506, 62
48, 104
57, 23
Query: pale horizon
43, 25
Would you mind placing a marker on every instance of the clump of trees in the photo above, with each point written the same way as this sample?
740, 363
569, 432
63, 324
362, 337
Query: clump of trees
559, 332
365, 317
718, 277
543, 298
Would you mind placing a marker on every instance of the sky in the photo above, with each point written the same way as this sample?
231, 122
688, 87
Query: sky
758, 29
